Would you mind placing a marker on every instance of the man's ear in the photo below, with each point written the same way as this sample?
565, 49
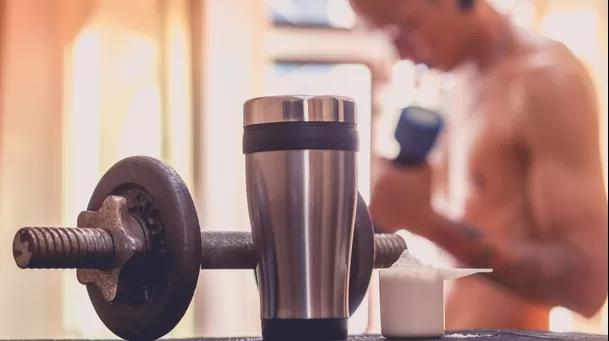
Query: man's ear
462, 5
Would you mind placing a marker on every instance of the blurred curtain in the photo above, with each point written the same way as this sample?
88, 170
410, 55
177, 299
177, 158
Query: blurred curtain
83, 84
128, 91
30, 161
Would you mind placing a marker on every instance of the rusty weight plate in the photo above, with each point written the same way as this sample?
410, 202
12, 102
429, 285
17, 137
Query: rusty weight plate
362, 256
157, 289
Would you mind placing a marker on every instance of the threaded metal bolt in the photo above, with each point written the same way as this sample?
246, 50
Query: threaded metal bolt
235, 250
63, 248
93, 248
388, 249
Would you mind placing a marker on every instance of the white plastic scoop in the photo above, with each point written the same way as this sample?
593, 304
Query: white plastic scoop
450, 274
412, 298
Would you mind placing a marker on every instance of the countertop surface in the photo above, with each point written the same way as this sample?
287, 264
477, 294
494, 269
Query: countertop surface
474, 335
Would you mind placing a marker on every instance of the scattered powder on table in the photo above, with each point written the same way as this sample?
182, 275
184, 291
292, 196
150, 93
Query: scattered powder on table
467, 336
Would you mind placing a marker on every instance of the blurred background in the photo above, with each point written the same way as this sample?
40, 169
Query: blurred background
85, 83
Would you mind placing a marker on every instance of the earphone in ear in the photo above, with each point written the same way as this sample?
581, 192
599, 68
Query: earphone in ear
466, 5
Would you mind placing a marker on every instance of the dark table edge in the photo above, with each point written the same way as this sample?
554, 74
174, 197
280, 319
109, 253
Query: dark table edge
517, 334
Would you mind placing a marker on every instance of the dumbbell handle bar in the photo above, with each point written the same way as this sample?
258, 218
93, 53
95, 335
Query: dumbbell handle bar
93, 248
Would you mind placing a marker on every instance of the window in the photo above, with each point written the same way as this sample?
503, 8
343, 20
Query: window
311, 13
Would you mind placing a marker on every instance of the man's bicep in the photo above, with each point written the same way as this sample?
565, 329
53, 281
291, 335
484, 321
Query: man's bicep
571, 208
568, 202
564, 148
566, 184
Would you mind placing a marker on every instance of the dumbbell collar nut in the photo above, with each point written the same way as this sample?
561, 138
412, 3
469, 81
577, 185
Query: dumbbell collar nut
128, 236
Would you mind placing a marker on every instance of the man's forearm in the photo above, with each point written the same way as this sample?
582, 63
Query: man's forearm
553, 275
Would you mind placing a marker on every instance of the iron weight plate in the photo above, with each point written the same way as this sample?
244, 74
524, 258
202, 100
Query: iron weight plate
362, 256
160, 288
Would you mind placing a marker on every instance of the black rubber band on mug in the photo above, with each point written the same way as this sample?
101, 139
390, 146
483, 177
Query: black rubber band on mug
304, 329
299, 136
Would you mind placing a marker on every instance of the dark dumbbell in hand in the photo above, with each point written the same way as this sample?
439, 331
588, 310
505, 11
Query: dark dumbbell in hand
416, 133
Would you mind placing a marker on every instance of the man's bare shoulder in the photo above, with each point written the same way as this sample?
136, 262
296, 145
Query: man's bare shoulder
542, 68
542, 79
560, 105
552, 75
542, 60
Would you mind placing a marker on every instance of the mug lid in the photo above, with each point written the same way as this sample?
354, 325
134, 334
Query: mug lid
299, 108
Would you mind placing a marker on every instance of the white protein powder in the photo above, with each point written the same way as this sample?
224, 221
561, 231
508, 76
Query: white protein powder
407, 260
410, 266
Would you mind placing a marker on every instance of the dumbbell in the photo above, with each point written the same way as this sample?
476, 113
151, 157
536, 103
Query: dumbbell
416, 133
138, 249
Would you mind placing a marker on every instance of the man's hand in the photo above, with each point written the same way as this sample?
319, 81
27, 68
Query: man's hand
401, 197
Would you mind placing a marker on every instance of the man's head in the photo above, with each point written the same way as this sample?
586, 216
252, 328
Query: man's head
439, 33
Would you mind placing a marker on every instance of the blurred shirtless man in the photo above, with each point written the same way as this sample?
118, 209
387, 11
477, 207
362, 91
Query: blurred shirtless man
534, 207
